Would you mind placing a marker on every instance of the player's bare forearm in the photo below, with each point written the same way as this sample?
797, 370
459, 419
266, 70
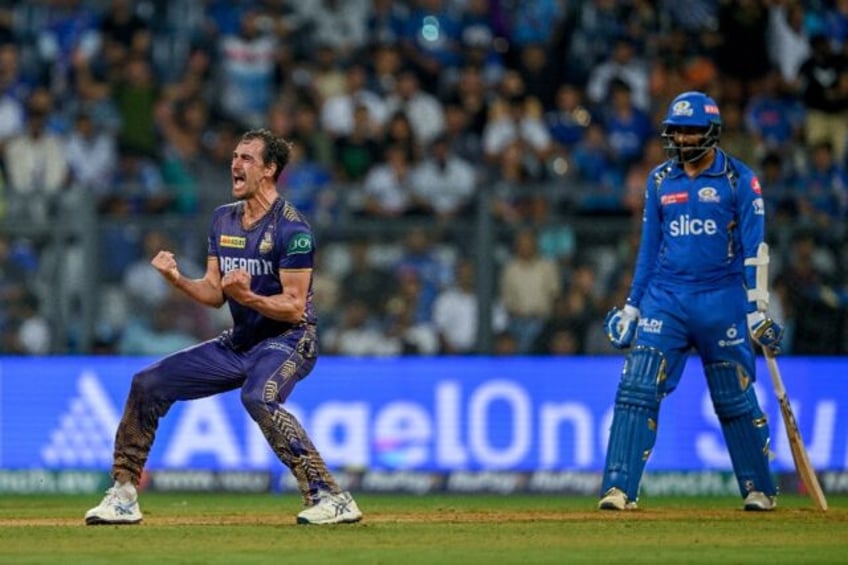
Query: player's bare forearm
277, 307
200, 290
206, 290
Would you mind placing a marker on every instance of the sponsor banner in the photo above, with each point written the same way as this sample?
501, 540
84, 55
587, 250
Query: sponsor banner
430, 415
43, 481
208, 481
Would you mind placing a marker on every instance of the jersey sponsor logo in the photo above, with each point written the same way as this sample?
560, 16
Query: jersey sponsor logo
755, 186
650, 325
300, 243
733, 338
234, 241
255, 267
685, 225
267, 243
708, 194
759, 207
674, 198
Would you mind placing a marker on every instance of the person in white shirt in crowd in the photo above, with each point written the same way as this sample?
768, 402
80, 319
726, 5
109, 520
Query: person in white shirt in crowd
443, 183
425, 111
456, 314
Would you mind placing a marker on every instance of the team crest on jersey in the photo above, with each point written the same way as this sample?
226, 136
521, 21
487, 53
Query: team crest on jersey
267, 243
674, 198
759, 207
755, 186
234, 241
708, 194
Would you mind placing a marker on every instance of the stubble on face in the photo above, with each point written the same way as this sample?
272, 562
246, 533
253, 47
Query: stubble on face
247, 169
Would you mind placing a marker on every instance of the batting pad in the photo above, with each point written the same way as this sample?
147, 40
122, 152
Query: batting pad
634, 423
744, 425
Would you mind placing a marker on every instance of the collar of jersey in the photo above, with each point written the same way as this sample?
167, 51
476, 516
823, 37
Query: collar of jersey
717, 169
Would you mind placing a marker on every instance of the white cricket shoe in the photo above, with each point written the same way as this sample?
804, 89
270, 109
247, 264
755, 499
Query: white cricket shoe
331, 509
615, 499
119, 506
759, 502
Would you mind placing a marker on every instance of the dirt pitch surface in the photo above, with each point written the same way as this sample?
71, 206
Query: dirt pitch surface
461, 517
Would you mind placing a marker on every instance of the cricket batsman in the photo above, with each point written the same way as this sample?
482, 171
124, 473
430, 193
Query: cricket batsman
700, 281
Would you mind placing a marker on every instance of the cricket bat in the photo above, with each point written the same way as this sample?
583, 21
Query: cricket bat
799, 452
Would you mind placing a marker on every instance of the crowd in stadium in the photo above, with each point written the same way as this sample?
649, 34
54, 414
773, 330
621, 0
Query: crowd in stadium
409, 110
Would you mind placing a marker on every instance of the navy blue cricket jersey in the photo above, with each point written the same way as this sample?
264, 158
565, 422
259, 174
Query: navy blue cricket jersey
282, 239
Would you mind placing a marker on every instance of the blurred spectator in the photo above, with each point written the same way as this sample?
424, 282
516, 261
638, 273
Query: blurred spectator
14, 91
162, 334
357, 152
424, 110
247, 70
317, 143
359, 334
409, 317
529, 284
36, 163
539, 74
386, 190
823, 196
824, 91
29, 329
815, 323
339, 23
138, 187
422, 256
594, 165
568, 121
462, 140
431, 40
124, 32
443, 184
337, 112
92, 156
742, 55
788, 40
518, 119
136, 94
366, 281
774, 120
71, 30
386, 21
306, 184
456, 313
398, 131
627, 127
624, 66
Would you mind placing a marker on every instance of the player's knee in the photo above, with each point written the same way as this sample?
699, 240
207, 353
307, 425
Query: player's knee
642, 378
146, 383
253, 400
731, 391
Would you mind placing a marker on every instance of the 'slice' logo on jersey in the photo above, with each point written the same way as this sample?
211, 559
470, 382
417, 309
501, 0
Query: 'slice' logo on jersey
759, 206
674, 198
755, 186
708, 194
267, 243
235, 241
300, 243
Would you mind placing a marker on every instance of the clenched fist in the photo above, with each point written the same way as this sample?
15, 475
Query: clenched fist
236, 284
166, 264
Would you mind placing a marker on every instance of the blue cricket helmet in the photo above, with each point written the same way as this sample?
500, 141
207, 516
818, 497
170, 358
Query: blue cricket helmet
692, 110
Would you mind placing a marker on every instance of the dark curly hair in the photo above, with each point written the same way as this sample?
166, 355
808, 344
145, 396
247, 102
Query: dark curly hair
277, 150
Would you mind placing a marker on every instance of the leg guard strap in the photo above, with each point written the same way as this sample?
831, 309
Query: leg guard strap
744, 425
634, 424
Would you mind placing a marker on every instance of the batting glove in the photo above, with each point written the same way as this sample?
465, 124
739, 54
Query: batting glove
620, 325
765, 332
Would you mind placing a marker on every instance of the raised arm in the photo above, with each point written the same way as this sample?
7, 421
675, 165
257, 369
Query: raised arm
206, 290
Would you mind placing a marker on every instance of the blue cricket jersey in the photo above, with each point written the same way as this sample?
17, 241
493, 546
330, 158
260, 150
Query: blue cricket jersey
697, 232
282, 239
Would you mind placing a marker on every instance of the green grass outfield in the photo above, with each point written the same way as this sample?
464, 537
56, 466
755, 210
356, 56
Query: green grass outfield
466, 529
